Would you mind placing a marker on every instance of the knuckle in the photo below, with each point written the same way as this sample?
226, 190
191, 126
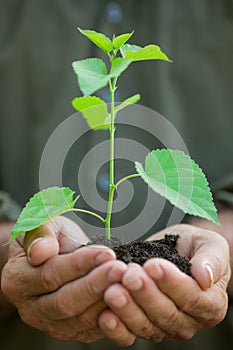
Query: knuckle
63, 307
129, 341
194, 302
171, 319
214, 310
152, 333
146, 331
28, 317
87, 321
92, 289
186, 334
49, 278
88, 336
80, 260
57, 332
6, 287
157, 337
221, 309
7, 284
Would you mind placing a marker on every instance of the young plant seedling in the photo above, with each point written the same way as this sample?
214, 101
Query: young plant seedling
170, 173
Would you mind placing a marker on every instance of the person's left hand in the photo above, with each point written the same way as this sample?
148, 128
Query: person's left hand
158, 300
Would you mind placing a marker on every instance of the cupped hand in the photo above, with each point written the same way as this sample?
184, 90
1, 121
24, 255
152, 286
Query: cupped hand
158, 300
61, 294
57, 236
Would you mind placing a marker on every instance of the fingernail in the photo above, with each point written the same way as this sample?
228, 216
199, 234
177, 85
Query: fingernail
99, 246
104, 257
120, 301
116, 272
111, 324
210, 273
156, 272
133, 284
32, 244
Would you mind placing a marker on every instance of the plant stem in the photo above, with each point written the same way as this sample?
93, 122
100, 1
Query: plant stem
89, 212
112, 86
126, 178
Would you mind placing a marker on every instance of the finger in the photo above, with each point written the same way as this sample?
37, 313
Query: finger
48, 277
207, 307
207, 251
160, 309
179, 288
122, 305
69, 330
82, 327
41, 244
114, 329
89, 318
68, 267
75, 297
209, 269
59, 235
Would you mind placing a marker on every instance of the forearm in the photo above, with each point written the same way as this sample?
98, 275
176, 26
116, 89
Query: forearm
5, 229
226, 230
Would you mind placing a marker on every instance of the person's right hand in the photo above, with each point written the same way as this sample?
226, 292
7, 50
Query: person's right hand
61, 294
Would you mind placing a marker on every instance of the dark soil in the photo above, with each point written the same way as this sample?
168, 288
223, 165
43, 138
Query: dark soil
140, 251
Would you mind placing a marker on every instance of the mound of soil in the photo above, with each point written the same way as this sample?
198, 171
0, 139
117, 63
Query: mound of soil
140, 251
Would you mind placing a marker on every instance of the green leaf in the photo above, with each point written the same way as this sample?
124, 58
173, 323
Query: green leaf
92, 75
42, 207
149, 52
121, 40
129, 101
119, 65
175, 176
129, 47
99, 39
94, 110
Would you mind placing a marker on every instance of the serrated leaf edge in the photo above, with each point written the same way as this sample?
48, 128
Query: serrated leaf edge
59, 212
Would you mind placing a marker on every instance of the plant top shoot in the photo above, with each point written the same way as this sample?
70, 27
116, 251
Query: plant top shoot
170, 173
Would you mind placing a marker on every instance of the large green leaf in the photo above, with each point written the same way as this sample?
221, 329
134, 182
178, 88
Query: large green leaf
120, 40
99, 39
42, 207
129, 101
149, 52
119, 65
94, 110
92, 75
175, 176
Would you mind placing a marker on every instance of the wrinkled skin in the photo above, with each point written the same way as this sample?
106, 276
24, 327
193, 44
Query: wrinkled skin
85, 294
167, 302
62, 293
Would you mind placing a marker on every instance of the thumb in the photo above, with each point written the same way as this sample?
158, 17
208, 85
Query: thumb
204, 273
210, 260
41, 244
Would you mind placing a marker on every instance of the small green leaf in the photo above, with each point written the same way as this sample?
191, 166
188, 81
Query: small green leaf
99, 39
175, 176
149, 52
119, 65
129, 101
94, 110
42, 207
92, 75
121, 40
129, 47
